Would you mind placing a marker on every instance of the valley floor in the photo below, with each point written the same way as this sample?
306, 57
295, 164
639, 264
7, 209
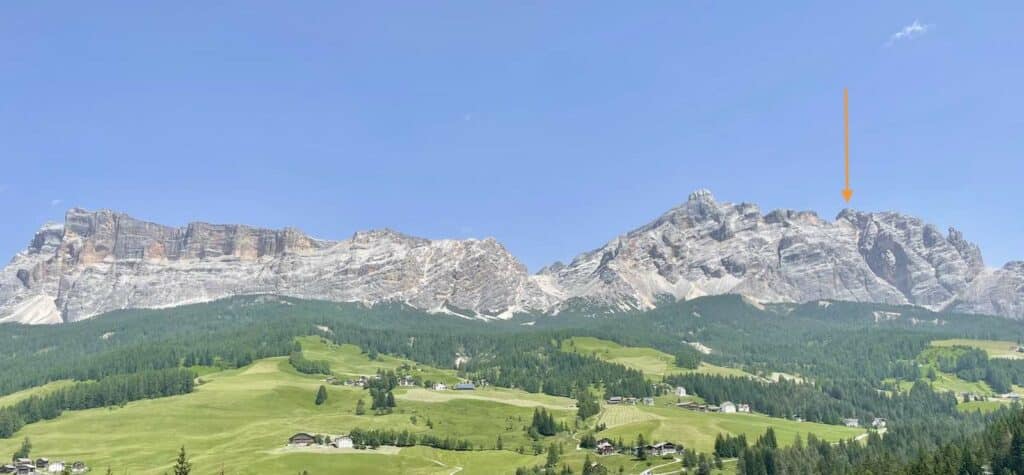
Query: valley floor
239, 420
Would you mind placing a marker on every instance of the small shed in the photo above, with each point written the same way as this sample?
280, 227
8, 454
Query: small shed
342, 442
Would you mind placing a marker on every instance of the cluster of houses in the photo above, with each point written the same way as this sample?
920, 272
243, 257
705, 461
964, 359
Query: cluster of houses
303, 439
614, 400
27, 466
877, 423
404, 381
969, 396
457, 387
607, 447
727, 407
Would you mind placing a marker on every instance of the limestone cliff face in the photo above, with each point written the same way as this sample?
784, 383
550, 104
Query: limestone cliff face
705, 247
100, 261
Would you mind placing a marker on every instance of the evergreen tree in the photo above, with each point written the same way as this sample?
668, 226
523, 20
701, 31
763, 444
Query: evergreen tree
321, 395
361, 409
552, 456
586, 403
641, 449
183, 466
25, 450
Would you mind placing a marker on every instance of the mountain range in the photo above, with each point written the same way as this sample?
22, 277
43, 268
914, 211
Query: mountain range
99, 261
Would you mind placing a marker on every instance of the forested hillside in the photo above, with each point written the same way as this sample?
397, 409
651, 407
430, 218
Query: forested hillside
836, 360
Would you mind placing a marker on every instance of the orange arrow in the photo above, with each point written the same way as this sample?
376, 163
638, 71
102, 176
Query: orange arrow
847, 192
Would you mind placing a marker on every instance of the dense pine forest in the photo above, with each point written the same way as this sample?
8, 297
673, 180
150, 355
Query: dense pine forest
846, 357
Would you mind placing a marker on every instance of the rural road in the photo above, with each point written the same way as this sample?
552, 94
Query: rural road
650, 470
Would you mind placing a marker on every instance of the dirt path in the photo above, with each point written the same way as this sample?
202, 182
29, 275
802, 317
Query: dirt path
652, 469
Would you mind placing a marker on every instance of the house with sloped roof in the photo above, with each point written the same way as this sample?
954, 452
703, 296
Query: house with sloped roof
342, 442
301, 439
662, 448
605, 447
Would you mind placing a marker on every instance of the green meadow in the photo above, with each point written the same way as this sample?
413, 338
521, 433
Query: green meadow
697, 430
994, 348
43, 390
652, 362
239, 420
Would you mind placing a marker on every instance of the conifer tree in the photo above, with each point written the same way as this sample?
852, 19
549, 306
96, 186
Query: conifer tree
321, 395
183, 466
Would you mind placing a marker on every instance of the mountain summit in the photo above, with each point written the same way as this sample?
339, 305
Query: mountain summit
704, 247
103, 260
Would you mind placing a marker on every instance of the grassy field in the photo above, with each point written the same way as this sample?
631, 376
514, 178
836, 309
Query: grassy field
349, 360
983, 406
994, 348
652, 362
43, 390
698, 430
951, 382
240, 419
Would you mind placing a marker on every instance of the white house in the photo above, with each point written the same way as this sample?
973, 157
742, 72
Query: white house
440, 387
680, 391
851, 422
728, 407
743, 408
55, 467
878, 423
342, 442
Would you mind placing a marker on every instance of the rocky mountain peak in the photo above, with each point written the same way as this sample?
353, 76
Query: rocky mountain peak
701, 195
710, 247
97, 261
104, 260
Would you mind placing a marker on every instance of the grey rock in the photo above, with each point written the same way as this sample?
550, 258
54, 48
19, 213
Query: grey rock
102, 261
703, 247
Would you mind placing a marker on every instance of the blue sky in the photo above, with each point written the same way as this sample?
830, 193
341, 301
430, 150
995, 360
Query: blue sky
552, 126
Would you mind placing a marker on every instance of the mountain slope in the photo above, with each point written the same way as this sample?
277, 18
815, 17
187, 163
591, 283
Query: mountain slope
704, 247
102, 261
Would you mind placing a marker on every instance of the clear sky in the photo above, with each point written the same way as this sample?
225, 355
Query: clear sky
551, 126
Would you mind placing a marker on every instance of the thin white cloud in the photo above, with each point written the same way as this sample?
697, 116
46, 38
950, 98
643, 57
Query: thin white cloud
56, 202
909, 32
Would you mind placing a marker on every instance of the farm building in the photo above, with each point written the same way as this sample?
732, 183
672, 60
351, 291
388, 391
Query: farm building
464, 387
301, 439
851, 422
342, 442
680, 391
662, 448
728, 407
605, 447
